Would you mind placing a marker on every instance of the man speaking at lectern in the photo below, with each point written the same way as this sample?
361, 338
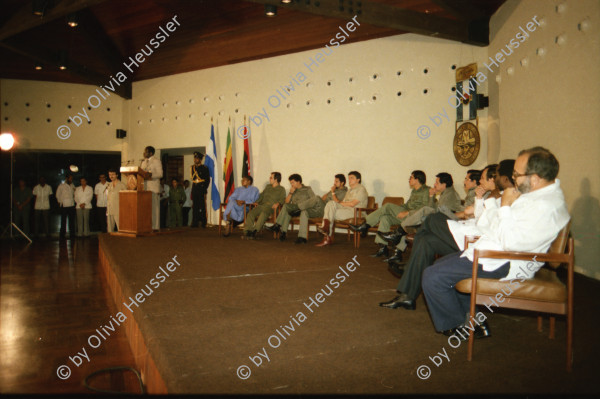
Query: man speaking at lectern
154, 171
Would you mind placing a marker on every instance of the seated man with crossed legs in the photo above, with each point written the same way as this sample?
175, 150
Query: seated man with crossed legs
356, 197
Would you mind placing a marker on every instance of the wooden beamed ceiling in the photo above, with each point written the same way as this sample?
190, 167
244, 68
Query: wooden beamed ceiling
211, 32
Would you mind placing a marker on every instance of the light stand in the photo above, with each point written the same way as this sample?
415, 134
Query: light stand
6, 143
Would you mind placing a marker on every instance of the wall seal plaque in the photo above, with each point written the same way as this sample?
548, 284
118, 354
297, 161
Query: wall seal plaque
466, 144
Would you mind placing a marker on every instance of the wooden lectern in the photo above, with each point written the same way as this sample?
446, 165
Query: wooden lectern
135, 204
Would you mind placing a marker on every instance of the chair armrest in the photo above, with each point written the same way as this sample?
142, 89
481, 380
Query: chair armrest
470, 240
513, 255
366, 209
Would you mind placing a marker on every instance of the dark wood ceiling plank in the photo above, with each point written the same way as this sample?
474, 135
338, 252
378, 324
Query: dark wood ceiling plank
97, 38
46, 56
463, 10
24, 19
384, 15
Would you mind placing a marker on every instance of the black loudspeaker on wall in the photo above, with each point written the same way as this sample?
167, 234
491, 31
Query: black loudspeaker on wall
121, 134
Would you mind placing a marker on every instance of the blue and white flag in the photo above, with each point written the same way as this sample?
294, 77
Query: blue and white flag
211, 164
466, 97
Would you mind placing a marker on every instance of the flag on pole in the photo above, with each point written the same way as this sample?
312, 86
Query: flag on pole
228, 169
246, 165
211, 164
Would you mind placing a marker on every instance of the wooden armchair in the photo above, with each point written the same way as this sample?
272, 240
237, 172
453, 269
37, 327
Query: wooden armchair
357, 219
393, 200
247, 208
545, 293
222, 209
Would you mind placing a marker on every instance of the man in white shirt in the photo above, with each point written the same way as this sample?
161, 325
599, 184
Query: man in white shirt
530, 216
154, 171
42, 193
101, 193
64, 197
187, 205
83, 202
112, 203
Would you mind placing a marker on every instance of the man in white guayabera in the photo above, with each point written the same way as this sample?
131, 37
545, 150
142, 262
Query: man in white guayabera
154, 171
530, 216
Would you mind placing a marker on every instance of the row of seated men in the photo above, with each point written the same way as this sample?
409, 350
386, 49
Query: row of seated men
339, 203
516, 205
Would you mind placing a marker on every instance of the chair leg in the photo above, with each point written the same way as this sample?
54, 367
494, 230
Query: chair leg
569, 341
540, 320
552, 325
220, 220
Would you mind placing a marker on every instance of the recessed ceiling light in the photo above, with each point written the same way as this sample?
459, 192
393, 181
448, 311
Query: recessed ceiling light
270, 11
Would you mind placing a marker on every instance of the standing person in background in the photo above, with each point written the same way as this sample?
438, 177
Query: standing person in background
65, 198
187, 205
200, 183
112, 204
22, 206
83, 202
164, 203
176, 200
42, 193
100, 190
153, 172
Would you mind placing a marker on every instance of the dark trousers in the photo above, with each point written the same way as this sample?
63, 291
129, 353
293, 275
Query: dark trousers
21, 218
67, 212
101, 216
164, 209
198, 206
185, 213
433, 238
45, 216
448, 307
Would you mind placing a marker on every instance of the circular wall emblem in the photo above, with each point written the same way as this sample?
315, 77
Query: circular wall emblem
466, 144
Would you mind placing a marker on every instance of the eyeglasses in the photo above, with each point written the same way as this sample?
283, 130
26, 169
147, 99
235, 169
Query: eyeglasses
516, 174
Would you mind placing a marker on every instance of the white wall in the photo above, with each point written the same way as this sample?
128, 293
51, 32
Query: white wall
554, 101
374, 136
48, 109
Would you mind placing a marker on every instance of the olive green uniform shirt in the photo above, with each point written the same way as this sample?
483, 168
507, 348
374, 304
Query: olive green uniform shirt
417, 200
340, 193
270, 195
449, 199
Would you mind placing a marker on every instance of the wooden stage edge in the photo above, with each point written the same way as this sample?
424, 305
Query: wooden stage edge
149, 234
153, 382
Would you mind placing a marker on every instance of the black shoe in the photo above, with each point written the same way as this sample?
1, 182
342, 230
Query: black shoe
295, 213
462, 332
249, 235
282, 236
274, 228
363, 229
396, 269
400, 301
300, 240
228, 228
393, 237
396, 258
383, 251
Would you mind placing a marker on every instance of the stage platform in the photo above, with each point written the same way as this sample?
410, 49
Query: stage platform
212, 304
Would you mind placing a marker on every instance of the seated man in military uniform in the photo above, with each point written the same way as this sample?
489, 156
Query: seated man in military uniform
392, 214
300, 201
272, 196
